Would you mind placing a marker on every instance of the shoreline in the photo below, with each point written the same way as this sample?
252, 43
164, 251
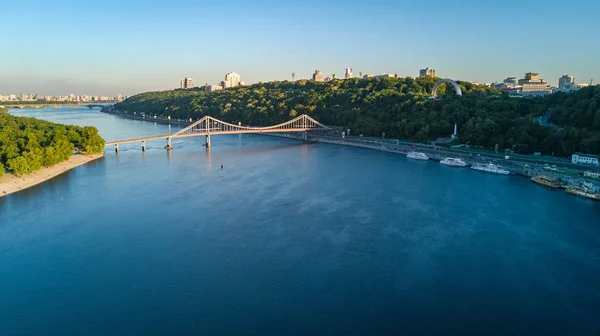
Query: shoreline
10, 183
517, 165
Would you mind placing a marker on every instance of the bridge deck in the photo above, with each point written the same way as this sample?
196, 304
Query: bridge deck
185, 135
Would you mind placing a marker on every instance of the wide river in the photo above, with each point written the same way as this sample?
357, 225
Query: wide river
290, 239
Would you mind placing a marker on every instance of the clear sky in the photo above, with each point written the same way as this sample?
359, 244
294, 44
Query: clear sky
131, 46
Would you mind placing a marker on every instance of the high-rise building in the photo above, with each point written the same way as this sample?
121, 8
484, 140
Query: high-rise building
232, 79
427, 72
566, 82
348, 73
186, 83
318, 76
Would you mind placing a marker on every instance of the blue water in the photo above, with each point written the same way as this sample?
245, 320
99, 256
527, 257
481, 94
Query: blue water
290, 239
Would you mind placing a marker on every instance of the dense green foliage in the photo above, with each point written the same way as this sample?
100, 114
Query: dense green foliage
28, 144
398, 107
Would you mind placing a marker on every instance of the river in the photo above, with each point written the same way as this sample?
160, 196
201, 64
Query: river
290, 239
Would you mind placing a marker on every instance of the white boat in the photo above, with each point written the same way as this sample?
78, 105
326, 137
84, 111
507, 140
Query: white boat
455, 162
490, 168
417, 156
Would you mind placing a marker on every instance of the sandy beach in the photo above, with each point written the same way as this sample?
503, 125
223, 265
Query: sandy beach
10, 183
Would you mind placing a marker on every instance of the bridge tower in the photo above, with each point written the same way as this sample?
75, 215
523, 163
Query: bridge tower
207, 144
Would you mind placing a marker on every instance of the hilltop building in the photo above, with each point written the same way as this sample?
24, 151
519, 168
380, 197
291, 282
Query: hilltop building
232, 79
348, 73
212, 87
186, 83
427, 72
533, 85
510, 81
566, 82
318, 76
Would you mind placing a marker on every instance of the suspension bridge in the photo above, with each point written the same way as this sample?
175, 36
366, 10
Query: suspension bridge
208, 126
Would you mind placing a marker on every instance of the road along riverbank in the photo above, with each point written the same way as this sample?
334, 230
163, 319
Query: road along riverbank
10, 183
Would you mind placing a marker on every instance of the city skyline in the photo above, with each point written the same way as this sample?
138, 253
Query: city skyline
133, 49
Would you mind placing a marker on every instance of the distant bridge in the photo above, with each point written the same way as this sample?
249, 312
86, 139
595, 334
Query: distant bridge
208, 126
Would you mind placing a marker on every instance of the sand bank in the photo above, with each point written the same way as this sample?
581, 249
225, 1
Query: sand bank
10, 183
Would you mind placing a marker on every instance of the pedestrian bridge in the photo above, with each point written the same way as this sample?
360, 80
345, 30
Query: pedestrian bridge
208, 126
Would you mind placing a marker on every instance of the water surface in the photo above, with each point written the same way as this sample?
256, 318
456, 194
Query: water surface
290, 239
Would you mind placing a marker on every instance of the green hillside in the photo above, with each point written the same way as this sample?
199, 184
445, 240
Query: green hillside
399, 107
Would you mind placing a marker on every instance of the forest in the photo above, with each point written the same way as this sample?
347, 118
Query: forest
400, 108
28, 144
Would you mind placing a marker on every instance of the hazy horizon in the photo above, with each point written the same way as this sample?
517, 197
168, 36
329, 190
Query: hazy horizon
114, 48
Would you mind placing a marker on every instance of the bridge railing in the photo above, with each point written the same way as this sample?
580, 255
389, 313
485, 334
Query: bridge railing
210, 124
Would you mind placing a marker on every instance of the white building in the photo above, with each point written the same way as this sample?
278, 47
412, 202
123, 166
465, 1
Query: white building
212, 87
186, 83
566, 82
348, 73
232, 79
384, 75
580, 158
591, 174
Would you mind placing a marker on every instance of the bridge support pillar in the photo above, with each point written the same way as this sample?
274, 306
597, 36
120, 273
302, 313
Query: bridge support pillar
207, 144
304, 136
168, 146
143, 146
116, 148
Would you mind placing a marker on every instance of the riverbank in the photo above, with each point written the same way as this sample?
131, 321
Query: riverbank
10, 183
518, 165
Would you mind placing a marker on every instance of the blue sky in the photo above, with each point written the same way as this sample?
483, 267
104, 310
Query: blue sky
110, 47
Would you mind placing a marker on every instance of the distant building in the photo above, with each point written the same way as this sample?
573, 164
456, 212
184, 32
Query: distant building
367, 76
566, 82
327, 79
212, 87
588, 159
186, 83
531, 77
232, 79
510, 81
318, 76
348, 73
533, 85
384, 75
427, 72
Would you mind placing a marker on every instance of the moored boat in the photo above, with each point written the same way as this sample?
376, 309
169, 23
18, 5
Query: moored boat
490, 168
583, 192
546, 181
417, 156
455, 162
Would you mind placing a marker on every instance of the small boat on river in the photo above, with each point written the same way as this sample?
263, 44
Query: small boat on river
455, 162
417, 156
546, 181
490, 168
583, 192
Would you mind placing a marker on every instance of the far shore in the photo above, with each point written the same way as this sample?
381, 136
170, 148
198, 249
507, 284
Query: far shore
10, 183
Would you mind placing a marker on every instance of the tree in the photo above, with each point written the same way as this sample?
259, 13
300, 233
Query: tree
19, 166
